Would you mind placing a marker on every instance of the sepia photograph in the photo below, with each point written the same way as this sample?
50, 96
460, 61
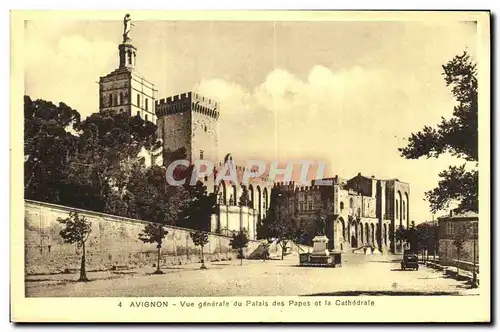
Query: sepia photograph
262, 160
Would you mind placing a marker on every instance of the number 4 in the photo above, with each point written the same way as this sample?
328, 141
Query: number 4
120, 304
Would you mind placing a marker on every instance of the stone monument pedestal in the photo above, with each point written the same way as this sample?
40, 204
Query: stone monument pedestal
320, 254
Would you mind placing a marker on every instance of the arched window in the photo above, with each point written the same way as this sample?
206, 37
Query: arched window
121, 98
116, 99
138, 100
146, 117
341, 206
110, 101
250, 194
147, 103
404, 211
397, 209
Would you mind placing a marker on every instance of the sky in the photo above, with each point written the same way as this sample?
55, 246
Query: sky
346, 93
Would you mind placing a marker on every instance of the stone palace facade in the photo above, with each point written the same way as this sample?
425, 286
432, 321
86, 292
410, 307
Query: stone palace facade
356, 212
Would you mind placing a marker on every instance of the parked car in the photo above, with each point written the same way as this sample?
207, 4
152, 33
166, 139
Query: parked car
409, 261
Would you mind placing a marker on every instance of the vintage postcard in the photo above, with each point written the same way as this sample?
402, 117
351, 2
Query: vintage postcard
250, 166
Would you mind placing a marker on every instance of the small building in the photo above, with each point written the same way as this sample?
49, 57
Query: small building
448, 226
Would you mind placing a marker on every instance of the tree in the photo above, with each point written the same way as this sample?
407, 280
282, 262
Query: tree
200, 207
200, 238
408, 236
150, 198
460, 236
239, 241
108, 148
427, 235
457, 136
77, 230
154, 233
245, 197
48, 147
283, 232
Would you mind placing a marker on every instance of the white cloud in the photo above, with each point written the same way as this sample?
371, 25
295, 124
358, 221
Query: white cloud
355, 119
57, 58
232, 95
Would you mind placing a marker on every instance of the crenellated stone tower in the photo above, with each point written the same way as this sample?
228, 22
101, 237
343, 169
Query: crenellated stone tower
189, 121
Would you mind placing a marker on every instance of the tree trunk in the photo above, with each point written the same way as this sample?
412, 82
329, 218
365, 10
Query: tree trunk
83, 274
241, 256
158, 271
458, 263
202, 259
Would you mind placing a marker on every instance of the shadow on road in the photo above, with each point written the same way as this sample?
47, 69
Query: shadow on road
383, 293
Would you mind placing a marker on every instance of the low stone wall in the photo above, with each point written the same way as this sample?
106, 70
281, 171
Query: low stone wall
113, 243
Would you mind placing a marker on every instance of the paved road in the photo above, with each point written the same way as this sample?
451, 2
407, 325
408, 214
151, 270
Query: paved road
373, 275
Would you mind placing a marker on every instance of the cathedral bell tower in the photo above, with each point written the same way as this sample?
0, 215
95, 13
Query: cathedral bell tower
124, 89
127, 50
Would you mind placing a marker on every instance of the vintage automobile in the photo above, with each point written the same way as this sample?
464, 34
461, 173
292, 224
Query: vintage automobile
409, 261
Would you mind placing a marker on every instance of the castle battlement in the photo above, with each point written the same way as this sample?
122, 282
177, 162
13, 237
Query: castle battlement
187, 102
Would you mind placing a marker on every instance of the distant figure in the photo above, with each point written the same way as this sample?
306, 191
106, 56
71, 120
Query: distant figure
265, 254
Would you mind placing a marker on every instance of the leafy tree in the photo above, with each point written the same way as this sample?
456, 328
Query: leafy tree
457, 136
427, 235
108, 147
283, 232
76, 229
48, 147
408, 236
239, 241
200, 207
150, 198
460, 236
200, 238
154, 233
245, 197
